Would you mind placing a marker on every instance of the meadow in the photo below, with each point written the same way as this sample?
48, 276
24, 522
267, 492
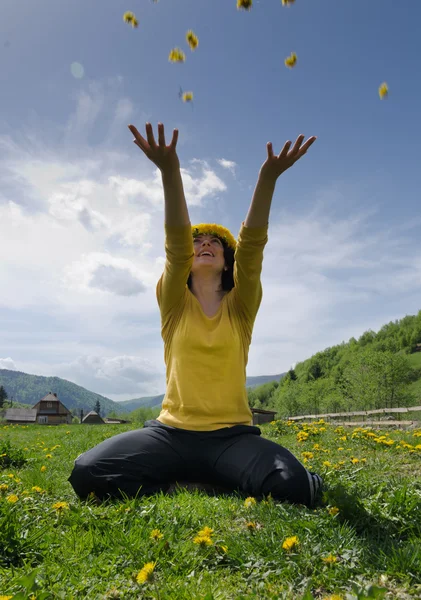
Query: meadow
363, 541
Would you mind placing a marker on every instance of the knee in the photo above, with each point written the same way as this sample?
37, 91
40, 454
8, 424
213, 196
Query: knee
82, 479
287, 486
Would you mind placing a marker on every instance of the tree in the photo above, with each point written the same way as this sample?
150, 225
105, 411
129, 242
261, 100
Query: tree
98, 407
3, 396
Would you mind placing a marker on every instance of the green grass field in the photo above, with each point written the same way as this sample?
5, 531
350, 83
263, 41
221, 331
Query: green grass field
363, 542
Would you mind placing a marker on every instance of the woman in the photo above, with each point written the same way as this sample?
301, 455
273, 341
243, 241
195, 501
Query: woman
208, 296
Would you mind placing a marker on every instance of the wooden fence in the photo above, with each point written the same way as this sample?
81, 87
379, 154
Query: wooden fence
366, 416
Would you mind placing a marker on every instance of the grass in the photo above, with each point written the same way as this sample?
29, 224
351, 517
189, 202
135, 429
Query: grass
363, 542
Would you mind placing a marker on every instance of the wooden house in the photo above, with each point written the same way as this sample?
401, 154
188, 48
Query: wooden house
51, 411
21, 416
262, 416
93, 418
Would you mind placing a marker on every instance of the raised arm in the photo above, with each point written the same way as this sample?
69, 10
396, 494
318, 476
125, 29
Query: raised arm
253, 233
178, 235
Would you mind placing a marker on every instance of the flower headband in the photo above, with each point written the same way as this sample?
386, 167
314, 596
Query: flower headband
213, 229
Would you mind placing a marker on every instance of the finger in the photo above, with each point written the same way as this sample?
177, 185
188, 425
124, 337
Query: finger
174, 138
139, 140
297, 145
284, 150
269, 148
306, 146
161, 134
149, 135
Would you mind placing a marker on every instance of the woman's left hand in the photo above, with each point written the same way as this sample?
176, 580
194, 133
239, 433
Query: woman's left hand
276, 165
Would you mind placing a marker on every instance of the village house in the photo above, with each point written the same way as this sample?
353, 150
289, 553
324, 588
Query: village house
48, 411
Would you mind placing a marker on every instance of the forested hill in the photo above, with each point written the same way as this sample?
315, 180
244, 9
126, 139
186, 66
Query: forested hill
379, 370
29, 389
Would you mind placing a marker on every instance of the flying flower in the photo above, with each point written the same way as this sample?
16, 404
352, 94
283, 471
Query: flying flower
291, 60
130, 18
192, 40
383, 90
176, 55
245, 4
187, 97
146, 573
156, 535
290, 543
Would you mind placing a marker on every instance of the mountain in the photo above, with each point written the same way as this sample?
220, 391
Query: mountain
29, 389
154, 401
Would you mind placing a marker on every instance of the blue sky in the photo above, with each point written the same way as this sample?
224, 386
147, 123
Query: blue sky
81, 209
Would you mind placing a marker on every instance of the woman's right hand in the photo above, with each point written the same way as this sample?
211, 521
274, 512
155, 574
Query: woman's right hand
163, 156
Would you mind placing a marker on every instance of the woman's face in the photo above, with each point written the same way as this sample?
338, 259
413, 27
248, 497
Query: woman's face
208, 254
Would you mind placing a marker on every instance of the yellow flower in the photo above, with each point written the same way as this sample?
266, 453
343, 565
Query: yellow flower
340, 448
307, 455
383, 90
187, 97
36, 488
156, 535
192, 40
59, 506
203, 540
302, 436
251, 525
67, 432
250, 501
130, 18
215, 229
176, 55
146, 573
290, 543
326, 463
355, 460
48, 456
343, 438
12, 498
4, 487
291, 60
206, 531
5, 597
43, 468
245, 4
287, 2
333, 510
330, 560
11, 476
333, 597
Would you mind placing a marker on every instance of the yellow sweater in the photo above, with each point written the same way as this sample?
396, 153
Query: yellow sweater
206, 357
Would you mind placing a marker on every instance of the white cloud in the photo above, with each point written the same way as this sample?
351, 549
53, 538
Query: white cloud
227, 164
8, 363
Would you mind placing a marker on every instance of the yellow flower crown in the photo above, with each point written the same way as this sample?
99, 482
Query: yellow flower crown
213, 229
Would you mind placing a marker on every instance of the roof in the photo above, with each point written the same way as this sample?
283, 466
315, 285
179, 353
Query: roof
264, 412
29, 415
50, 397
92, 416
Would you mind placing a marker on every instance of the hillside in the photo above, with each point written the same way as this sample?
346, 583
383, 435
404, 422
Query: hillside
379, 370
29, 389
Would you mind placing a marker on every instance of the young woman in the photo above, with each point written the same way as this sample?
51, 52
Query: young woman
208, 296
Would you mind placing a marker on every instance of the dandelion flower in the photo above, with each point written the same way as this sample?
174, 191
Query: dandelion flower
192, 40
355, 460
5, 597
333, 510
37, 489
383, 90
176, 55
287, 2
48, 456
290, 543
291, 60
333, 597
330, 560
43, 468
130, 19
60, 506
187, 96
12, 498
244, 4
146, 573
156, 535
251, 525
250, 501
206, 531
4, 487
203, 540
326, 463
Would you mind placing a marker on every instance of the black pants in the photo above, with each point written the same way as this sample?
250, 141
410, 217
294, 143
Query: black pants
148, 460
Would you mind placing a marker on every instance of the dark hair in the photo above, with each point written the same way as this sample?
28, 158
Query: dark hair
227, 277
